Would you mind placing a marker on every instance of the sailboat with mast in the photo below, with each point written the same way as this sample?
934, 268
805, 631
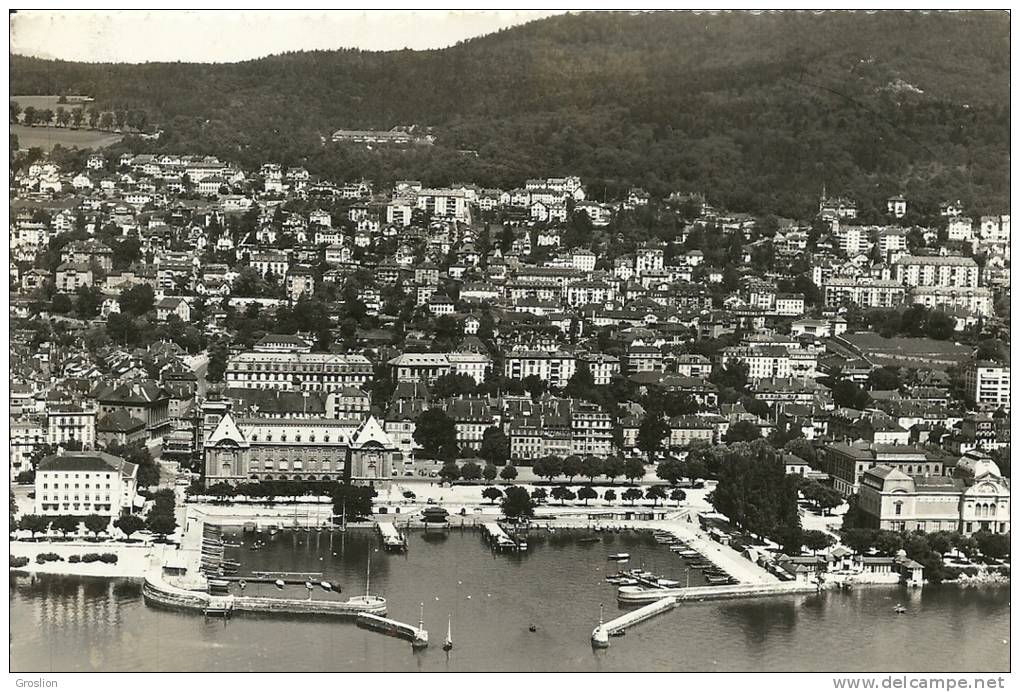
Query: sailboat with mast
448, 642
368, 602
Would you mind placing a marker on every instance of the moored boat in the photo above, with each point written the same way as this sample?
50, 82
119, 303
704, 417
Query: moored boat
641, 594
448, 642
619, 556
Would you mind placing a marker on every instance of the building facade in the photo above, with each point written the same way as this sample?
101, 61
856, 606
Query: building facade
273, 449
82, 483
314, 372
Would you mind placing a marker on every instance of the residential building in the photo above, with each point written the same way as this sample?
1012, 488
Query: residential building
864, 292
988, 384
83, 483
553, 367
70, 422
937, 270
314, 372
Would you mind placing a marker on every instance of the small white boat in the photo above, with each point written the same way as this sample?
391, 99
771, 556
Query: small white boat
279, 583
309, 586
899, 609
326, 586
668, 583
448, 644
620, 556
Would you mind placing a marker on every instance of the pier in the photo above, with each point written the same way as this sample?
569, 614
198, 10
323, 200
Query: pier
660, 600
418, 636
290, 581
159, 591
497, 537
637, 594
600, 635
393, 540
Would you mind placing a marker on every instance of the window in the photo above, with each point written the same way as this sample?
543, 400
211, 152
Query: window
898, 508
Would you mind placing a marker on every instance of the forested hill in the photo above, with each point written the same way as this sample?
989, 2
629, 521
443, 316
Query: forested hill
756, 110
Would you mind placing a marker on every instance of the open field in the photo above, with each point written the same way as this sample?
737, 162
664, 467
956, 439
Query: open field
47, 137
51, 101
908, 352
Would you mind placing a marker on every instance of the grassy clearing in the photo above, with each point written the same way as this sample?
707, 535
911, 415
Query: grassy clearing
47, 137
51, 102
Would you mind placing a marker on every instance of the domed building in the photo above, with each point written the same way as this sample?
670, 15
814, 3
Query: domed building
975, 498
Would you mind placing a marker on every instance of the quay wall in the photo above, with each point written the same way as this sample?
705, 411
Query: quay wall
158, 591
715, 593
293, 606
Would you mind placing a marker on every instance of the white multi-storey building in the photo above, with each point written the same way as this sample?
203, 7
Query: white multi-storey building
988, 384
863, 291
960, 228
648, 260
82, 483
852, 240
591, 430
995, 229
426, 367
976, 300
70, 423
763, 362
267, 261
399, 214
315, 372
27, 435
553, 367
944, 271
444, 203
603, 367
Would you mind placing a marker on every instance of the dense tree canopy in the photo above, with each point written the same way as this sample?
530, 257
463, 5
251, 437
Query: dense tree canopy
756, 110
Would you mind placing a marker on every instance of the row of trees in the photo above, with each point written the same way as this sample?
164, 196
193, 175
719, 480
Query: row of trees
472, 471
550, 467
563, 494
66, 524
136, 119
590, 467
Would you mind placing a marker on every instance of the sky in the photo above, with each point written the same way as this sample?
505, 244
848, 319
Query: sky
228, 36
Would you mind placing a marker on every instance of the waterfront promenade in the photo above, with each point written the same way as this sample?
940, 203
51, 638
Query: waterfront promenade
683, 525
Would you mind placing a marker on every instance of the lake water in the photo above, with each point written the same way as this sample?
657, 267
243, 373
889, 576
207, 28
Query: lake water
79, 624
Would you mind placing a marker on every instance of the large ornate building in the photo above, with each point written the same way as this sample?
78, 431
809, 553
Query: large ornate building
975, 498
309, 449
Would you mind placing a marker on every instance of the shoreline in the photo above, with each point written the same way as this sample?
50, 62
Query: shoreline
133, 560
